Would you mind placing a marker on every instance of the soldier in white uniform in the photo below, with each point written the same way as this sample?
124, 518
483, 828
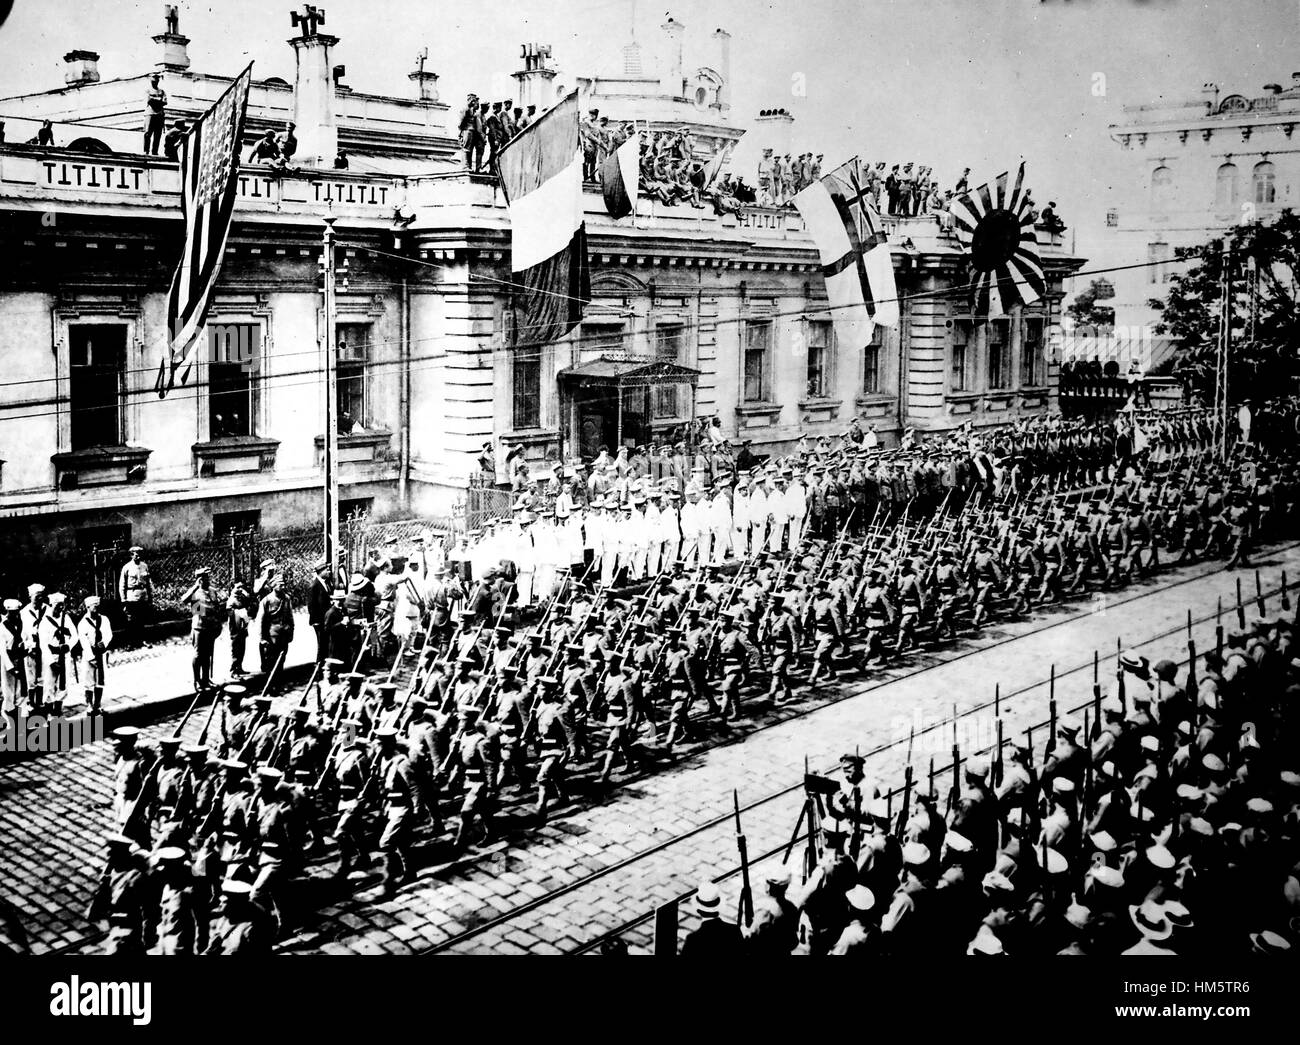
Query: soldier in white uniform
694, 531
637, 538
56, 635
778, 511
739, 537
95, 635
670, 534
796, 506
654, 533
524, 553
31, 616
719, 522
605, 542
760, 511
13, 659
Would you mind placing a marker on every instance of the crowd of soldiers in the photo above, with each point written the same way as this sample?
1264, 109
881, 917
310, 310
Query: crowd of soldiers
1164, 822
486, 127
441, 691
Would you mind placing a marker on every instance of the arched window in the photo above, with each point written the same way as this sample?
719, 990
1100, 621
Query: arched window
1262, 180
1161, 188
1227, 185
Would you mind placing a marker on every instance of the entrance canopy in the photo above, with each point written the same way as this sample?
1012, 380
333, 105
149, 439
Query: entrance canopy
606, 372
610, 402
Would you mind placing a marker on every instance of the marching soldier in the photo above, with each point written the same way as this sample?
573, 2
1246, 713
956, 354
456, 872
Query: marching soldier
400, 794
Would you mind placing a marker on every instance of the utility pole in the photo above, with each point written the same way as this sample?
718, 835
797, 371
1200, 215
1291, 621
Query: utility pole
331, 390
1225, 343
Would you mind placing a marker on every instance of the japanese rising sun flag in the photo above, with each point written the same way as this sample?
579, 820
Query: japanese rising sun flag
996, 228
541, 178
209, 164
856, 263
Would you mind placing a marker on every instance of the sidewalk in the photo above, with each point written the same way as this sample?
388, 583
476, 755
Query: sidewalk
145, 684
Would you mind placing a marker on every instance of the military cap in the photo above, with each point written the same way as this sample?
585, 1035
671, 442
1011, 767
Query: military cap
173, 743
234, 765
997, 882
1102, 841
958, 843
389, 733
1189, 792
1062, 786
549, 681
1078, 915
1199, 825
976, 768
852, 759
1149, 917
387, 689
860, 898
171, 854
269, 775
1160, 857
202, 571
1068, 726
915, 854
34, 590
1051, 861
1178, 914
1213, 763
12, 605
1107, 876
237, 889
1259, 806
1150, 743
192, 750
119, 841
1269, 942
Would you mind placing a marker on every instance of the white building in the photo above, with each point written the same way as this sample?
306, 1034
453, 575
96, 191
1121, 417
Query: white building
1199, 167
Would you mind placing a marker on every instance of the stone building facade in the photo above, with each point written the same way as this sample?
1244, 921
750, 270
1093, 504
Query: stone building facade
732, 306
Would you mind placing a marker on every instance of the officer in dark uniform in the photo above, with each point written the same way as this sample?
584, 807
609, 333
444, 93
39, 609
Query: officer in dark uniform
209, 615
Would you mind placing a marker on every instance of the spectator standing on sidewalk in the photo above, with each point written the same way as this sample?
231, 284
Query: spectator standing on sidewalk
209, 614
135, 592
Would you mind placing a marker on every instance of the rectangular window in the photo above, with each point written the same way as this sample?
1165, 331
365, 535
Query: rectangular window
233, 361
353, 341
758, 352
526, 388
961, 355
871, 356
1032, 371
999, 353
603, 339
1159, 254
114, 536
350, 506
821, 347
670, 346
226, 523
96, 383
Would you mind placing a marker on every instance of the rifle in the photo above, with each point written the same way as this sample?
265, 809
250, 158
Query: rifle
1051, 714
745, 907
954, 796
288, 719
906, 811
1241, 610
1218, 628
997, 719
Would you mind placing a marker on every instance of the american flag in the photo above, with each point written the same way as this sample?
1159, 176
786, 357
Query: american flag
209, 161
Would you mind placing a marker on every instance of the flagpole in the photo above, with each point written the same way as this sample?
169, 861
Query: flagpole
331, 390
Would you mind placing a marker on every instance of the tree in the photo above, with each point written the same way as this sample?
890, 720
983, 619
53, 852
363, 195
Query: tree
1085, 311
1259, 365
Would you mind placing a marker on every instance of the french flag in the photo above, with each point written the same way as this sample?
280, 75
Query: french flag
541, 178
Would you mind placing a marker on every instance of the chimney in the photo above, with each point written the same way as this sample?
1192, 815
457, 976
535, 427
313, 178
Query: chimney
722, 39
774, 129
174, 58
426, 82
671, 81
313, 98
1295, 80
83, 68
1211, 93
535, 78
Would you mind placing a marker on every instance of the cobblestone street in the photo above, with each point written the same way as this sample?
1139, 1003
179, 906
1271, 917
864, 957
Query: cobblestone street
655, 835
